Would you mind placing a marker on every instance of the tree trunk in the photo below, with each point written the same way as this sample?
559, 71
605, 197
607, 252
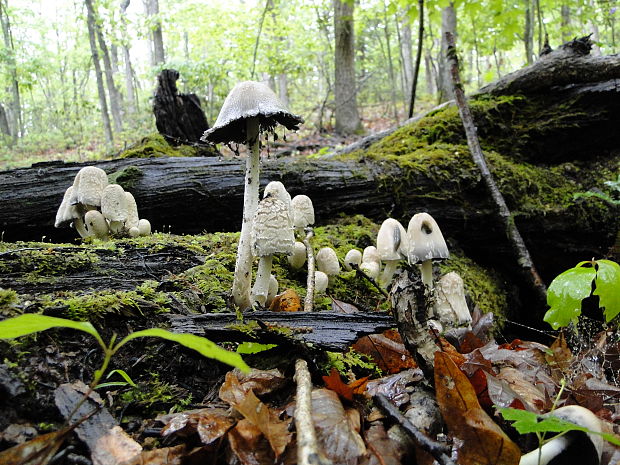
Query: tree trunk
528, 33
16, 106
115, 100
345, 90
5, 130
390, 63
90, 22
406, 47
283, 88
129, 84
448, 24
565, 26
418, 57
155, 32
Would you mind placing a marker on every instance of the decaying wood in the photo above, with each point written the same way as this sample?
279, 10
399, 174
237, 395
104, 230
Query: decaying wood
326, 330
504, 215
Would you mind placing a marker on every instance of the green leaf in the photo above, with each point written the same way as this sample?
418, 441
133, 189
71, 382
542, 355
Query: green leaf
124, 375
200, 344
565, 294
608, 287
529, 422
253, 347
30, 323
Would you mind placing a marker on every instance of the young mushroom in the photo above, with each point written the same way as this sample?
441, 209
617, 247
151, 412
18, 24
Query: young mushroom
298, 257
353, 257
327, 262
573, 447
426, 243
321, 281
88, 187
114, 207
302, 212
97, 225
392, 246
450, 304
371, 262
69, 214
249, 108
272, 233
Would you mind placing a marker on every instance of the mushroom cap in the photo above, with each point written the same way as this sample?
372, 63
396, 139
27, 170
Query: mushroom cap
302, 211
583, 417
144, 227
132, 211
327, 261
372, 269
425, 239
450, 304
298, 257
276, 189
114, 203
353, 257
392, 242
371, 255
66, 212
249, 99
96, 224
272, 231
321, 281
88, 186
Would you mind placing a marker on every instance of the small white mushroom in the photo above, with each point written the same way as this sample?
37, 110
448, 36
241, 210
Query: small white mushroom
273, 290
114, 207
132, 212
589, 446
392, 246
302, 211
372, 269
370, 255
321, 281
144, 227
327, 262
425, 244
298, 257
450, 304
88, 186
353, 257
272, 233
97, 225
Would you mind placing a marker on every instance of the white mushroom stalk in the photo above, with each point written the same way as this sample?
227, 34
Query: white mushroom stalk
392, 246
249, 108
425, 244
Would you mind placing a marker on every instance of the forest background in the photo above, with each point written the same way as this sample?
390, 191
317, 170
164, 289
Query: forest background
77, 76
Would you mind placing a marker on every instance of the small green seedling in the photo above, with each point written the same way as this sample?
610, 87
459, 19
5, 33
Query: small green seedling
566, 291
28, 324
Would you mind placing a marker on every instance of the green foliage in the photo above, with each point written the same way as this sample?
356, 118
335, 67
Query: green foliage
567, 291
529, 422
613, 197
345, 362
253, 347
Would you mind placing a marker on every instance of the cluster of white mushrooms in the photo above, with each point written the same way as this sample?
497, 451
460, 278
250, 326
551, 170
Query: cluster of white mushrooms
98, 209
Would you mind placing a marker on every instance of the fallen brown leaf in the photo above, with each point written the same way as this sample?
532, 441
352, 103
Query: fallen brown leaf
387, 351
249, 444
288, 301
210, 424
346, 391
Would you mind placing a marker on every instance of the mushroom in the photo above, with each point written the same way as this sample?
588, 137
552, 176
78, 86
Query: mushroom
273, 290
114, 207
371, 262
321, 281
144, 227
298, 257
450, 305
133, 219
327, 262
88, 186
68, 214
573, 447
425, 244
249, 108
276, 189
392, 246
302, 212
353, 257
272, 233
97, 225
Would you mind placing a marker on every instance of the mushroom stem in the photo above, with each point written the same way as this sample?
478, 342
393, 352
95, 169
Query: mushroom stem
426, 269
309, 300
80, 227
261, 284
243, 265
543, 455
388, 272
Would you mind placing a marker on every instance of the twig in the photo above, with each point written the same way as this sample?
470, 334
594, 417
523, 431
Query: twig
308, 452
309, 300
363, 274
436, 449
518, 245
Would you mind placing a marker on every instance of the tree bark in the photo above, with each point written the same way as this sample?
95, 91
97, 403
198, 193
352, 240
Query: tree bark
406, 47
156, 35
16, 106
345, 90
448, 24
418, 57
90, 23
129, 84
528, 32
115, 100
565, 26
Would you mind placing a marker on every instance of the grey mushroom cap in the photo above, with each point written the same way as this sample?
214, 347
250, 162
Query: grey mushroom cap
425, 239
273, 231
392, 242
249, 99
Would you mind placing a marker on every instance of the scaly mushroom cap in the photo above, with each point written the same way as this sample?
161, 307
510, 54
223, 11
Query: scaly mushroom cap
88, 186
66, 212
276, 189
272, 232
298, 257
132, 211
353, 257
303, 211
371, 255
450, 305
96, 224
114, 203
327, 261
392, 243
246, 100
425, 239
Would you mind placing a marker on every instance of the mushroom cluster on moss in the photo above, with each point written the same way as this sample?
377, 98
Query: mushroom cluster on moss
249, 109
98, 209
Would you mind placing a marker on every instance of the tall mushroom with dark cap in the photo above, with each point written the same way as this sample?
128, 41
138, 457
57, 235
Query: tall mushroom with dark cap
249, 108
426, 243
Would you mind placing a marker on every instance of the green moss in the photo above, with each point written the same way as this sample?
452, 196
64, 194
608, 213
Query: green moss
127, 177
8, 300
36, 262
155, 145
154, 395
351, 361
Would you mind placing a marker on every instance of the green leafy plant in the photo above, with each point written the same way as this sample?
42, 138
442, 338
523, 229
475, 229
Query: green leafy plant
128, 381
614, 188
567, 291
28, 324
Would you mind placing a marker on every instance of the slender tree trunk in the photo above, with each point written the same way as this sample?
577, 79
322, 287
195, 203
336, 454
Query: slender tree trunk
565, 12
528, 33
90, 22
406, 48
128, 72
113, 93
477, 52
345, 92
391, 73
157, 39
593, 26
448, 24
4, 123
16, 106
283, 88
418, 57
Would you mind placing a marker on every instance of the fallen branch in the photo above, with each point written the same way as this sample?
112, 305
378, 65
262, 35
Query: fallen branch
309, 301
